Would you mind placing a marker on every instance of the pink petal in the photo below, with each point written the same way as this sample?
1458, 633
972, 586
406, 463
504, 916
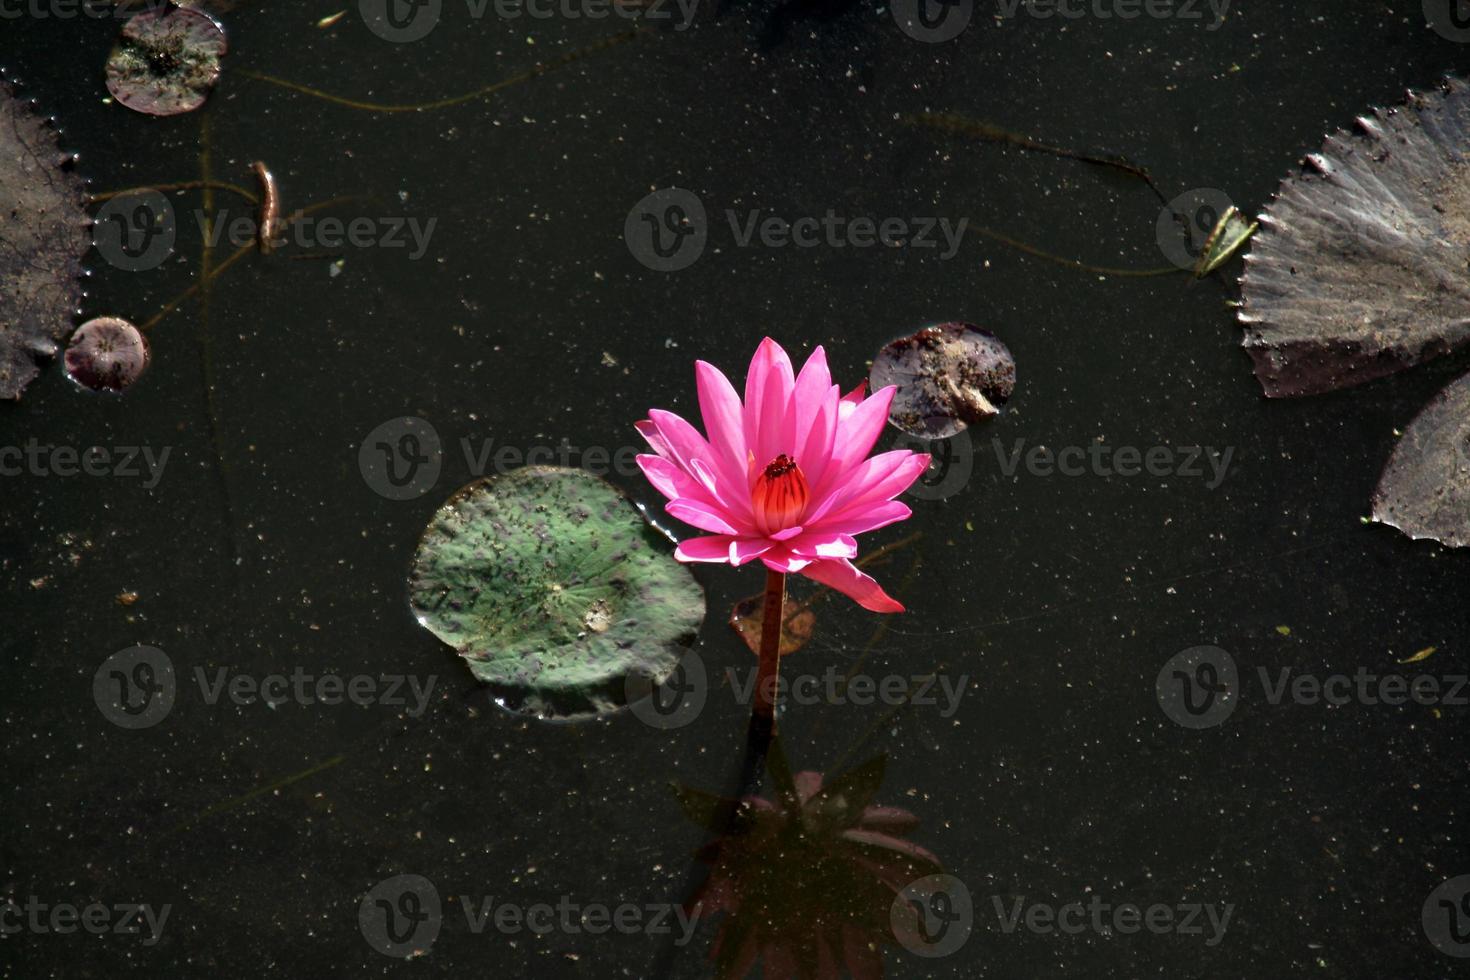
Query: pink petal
814, 452
807, 400
784, 560
872, 481
715, 549
841, 575
680, 441
770, 371
724, 420
862, 521
666, 477
701, 515
825, 544
857, 433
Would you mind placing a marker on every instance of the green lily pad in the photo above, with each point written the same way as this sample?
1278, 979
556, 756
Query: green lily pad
555, 590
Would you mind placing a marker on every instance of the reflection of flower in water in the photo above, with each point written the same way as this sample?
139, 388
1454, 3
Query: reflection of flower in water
807, 885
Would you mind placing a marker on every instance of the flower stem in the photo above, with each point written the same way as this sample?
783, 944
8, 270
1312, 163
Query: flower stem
769, 669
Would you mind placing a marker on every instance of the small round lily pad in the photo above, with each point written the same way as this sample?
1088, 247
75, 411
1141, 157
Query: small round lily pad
166, 61
555, 590
949, 377
106, 354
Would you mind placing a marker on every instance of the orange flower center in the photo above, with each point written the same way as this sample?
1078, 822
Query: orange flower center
780, 495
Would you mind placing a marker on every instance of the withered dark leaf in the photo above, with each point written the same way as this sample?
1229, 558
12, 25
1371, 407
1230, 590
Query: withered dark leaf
1425, 489
1361, 267
42, 240
949, 377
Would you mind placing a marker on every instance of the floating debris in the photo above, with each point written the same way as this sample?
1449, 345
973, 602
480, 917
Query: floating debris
798, 622
1229, 234
1362, 264
949, 377
268, 225
555, 590
1425, 488
106, 354
43, 236
166, 61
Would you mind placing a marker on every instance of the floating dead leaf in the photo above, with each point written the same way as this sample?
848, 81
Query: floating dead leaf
106, 354
1362, 264
1424, 654
1425, 488
748, 617
43, 236
949, 377
1229, 234
167, 60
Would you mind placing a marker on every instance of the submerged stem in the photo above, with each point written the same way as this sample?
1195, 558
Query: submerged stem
769, 670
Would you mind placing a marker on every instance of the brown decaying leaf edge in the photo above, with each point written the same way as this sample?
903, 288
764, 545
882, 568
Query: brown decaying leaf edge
1361, 267
43, 237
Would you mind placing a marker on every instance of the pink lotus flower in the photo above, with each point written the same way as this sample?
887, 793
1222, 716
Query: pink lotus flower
786, 476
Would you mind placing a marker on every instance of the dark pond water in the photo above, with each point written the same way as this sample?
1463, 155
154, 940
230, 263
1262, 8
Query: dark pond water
1050, 603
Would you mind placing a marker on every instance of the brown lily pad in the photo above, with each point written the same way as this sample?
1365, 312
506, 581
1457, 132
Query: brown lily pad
106, 354
166, 61
43, 236
949, 377
1425, 489
796, 629
1361, 266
